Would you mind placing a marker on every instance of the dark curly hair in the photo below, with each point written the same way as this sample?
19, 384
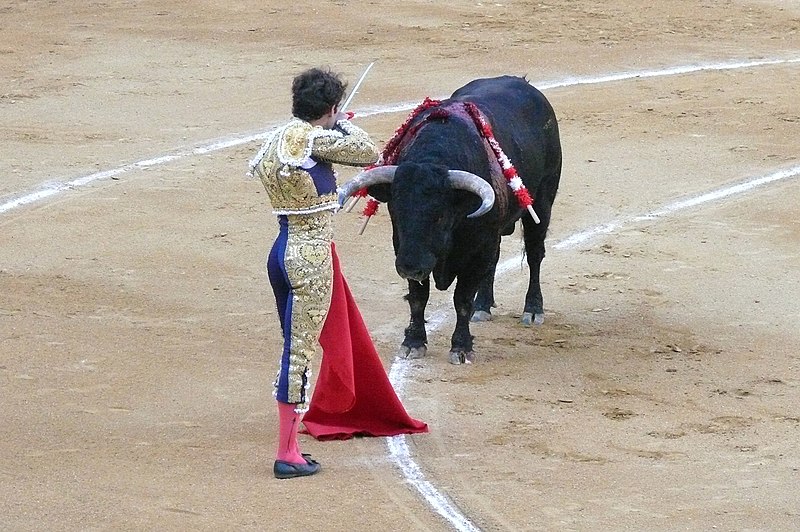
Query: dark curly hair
314, 92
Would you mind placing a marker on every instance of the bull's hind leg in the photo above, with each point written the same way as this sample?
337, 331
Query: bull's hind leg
484, 300
534, 235
415, 342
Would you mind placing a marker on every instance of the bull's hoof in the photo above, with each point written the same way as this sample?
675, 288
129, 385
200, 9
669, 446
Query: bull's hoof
462, 357
481, 315
413, 352
529, 318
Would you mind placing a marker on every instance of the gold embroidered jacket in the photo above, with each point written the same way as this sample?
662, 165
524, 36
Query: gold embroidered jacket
283, 160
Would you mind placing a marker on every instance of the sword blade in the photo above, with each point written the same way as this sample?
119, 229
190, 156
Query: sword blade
355, 89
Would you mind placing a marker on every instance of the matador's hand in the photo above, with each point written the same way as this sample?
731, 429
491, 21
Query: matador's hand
344, 115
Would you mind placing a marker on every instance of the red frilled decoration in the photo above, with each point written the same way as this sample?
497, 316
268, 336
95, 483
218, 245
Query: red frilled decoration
353, 395
509, 172
371, 207
369, 210
392, 150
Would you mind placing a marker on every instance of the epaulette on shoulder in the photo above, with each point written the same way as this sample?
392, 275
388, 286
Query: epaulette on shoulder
294, 145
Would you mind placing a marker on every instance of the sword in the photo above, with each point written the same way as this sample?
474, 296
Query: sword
355, 89
346, 103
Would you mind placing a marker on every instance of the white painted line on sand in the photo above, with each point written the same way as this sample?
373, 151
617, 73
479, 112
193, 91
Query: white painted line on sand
714, 195
401, 456
50, 189
688, 69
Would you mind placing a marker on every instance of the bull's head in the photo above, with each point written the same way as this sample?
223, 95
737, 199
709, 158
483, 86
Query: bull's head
421, 200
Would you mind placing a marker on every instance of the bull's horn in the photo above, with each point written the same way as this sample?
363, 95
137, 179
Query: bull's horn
475, 184
373, 176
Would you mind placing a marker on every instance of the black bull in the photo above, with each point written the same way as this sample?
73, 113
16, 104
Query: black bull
437, 224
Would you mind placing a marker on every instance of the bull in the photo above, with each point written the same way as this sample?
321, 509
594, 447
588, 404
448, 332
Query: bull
450, 203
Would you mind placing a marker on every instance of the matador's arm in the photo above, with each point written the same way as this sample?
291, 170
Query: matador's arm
350, 145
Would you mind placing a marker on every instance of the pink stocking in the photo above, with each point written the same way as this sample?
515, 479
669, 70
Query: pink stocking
288, 423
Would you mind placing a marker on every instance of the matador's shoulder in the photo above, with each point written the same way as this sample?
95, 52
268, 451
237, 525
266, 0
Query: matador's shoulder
296, 141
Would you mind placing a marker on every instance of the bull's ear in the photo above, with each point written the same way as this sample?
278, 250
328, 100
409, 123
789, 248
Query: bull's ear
381, 192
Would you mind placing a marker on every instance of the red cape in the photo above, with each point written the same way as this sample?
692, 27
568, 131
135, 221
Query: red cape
353, 395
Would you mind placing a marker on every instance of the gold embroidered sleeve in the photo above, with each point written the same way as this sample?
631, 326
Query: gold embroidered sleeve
353, 148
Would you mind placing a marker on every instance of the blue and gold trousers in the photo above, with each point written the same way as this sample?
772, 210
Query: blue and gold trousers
301, 274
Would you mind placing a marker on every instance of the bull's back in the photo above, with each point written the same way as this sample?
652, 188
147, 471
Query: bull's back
523, 122
507, 98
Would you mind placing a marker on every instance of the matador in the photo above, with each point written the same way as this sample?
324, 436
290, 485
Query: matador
296, 167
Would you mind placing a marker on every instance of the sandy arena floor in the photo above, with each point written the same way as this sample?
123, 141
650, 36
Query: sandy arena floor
137, 332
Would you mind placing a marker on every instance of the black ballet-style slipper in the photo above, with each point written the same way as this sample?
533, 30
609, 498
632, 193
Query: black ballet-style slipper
283, 469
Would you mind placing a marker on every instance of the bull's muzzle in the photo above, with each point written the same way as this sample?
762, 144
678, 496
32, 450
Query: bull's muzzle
412, 269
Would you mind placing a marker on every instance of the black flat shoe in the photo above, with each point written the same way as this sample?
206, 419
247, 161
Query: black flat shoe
289, 470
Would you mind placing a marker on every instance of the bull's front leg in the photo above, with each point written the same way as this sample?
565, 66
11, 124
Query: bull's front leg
415, 342
461, 342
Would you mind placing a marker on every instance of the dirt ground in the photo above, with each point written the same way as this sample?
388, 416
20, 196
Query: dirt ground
137, 331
